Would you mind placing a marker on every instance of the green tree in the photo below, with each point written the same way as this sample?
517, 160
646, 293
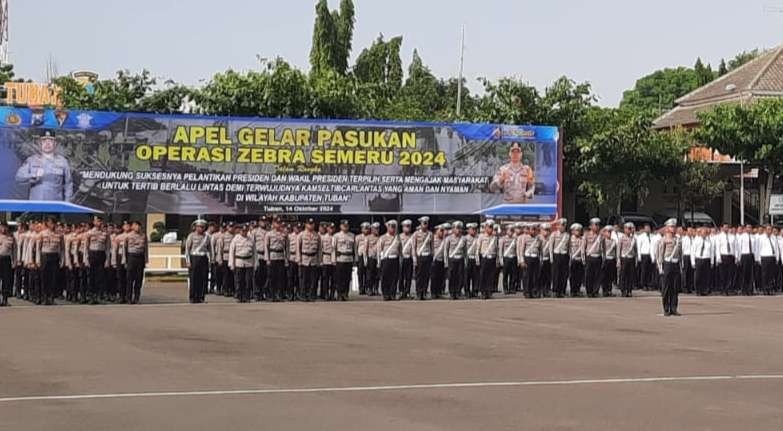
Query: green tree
508, 101
722, 68
742, 58
704, 73
378, 70
750, 133
6, 73
344, 22
332, 37
168, 100
657, 91
125, 93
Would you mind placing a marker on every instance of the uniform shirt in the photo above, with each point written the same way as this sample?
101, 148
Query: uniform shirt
766, 246
702, 248
626, 247
308, 248
293, 240
654, 240
327, 249
519, 176
198, 244
546, 248
77, 250
214, 250
530, 246
389, 247
406, 241
744, 243
593, 244
21, 238
437, 246
96, 240
644, 244
49, 242
29, 250
455, 247
508, 246
362, 246
223, 246
577, 249
560, 242
276, 247
372, 246
725, 244
487, 247
422, 244
259, 240
68, 240
470, 245
669, 251
135, 243
685, 243
117, 249
49, 178
345, 247
8, 247
609, 246
242, 252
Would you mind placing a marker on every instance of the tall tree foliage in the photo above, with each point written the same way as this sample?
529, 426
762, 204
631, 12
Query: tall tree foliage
332, 37
657, 91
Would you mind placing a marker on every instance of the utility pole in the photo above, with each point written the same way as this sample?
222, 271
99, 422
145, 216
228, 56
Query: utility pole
461, 64
3, 32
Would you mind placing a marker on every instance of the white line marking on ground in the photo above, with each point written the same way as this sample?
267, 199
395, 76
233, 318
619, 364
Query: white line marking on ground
280, 391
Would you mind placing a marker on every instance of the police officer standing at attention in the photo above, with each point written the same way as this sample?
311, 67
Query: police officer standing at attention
668, 257
136, 258
456, 251
50, 256
345, 253
594, 261
422, 257
471, 268
389, 249
96, 244
7, 260
241, 260
21, 277
362, 250
327, 263
610, 261
438, 275
627, 263
293, 288
47, 173
260, 277
308, 250
545, 276
119, 261
529, 253
577, 255
406, 270
560, 254
487, 253
198, 249
223, 245
372, 259
277, 259
702, 260
508, 246
216, 268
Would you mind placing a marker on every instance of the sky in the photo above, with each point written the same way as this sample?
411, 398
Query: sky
609, 43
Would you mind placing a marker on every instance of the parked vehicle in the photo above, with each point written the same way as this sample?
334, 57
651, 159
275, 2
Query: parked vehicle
689, 219
638, 219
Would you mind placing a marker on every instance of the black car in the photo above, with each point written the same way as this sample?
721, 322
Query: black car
638, 219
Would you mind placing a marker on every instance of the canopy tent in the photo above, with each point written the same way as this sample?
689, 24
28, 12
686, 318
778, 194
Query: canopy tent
7, 205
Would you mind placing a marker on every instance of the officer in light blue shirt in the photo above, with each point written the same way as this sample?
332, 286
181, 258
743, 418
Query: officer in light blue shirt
48, 174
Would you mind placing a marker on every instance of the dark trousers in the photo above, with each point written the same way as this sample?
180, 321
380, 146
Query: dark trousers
627, 275
545, 278
6, 279
372, 276
608, 276
560, 272
456, 277
260, 288
669, 292
212, 286
111, 283
768, 273
509, 274
702, 276
746, 274
35, 285
72, 284
577, 277
646, 271
199, 270
218, 275
438, 279
277, 279
243, 277
342, 278
487, 271
21, 281
292, 280
406, 275
361, 272
687, 274
328, 286
423, 269
728, 270
309, 278
471, 279
135, 277
592, 275
97, 274
390, 273
228, 280
50, 266
532, 272
122, 282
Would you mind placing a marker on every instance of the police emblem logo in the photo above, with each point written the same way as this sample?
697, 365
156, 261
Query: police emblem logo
61, 117
37, 118
13, 119
84, 120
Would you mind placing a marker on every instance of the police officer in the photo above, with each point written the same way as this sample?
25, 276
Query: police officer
21, 278
577, 261
372, 259
362, 250
508, 248
50, 257
119, 261
594, 257
277, 259
97, 244
388, 257
422, 257
223, 245
486, 256
669, 253
72, 271
212, 230
216, 266
455, 254
545, 276
702, 260
471, 268
767, 255
308, 250
610, 260
438, 272
241, 261
48, 174
260, 277
294, 288
627, 263
344, 255
7, 260
136, 258
197, 255
328, 287
406, 269
529, 251
514, 179
560, 255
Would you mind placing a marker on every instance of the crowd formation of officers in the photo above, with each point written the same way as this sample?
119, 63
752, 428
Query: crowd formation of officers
86, 263
275, 261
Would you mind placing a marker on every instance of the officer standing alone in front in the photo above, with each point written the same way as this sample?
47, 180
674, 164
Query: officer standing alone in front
668, 257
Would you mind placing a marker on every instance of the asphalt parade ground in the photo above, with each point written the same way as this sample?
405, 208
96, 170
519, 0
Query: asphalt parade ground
504, 364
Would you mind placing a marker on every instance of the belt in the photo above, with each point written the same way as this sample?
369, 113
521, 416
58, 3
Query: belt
609, 258
276, 250
677, 260
555, 252
97, 251
135, 254
339, 253
309, 254
198, 254
425, 254
244, 257
391, 257
532, 257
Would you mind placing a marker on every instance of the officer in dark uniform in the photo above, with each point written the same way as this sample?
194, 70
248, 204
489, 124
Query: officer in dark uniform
487, 256
344, 256
388, 257
455, 252
136, 258
406, 267
223, 245
471, 268
308, 250
50, 254
261, 289
560, 244
328, 286
197, 255
422, 257
96, 246
276, 259
668, 257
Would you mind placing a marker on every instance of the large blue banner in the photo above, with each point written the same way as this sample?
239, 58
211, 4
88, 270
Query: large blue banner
186, 164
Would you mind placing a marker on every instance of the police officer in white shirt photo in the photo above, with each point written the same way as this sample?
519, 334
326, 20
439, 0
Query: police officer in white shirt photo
644, 248
726, 247
48, 174
702, 260
767, 255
